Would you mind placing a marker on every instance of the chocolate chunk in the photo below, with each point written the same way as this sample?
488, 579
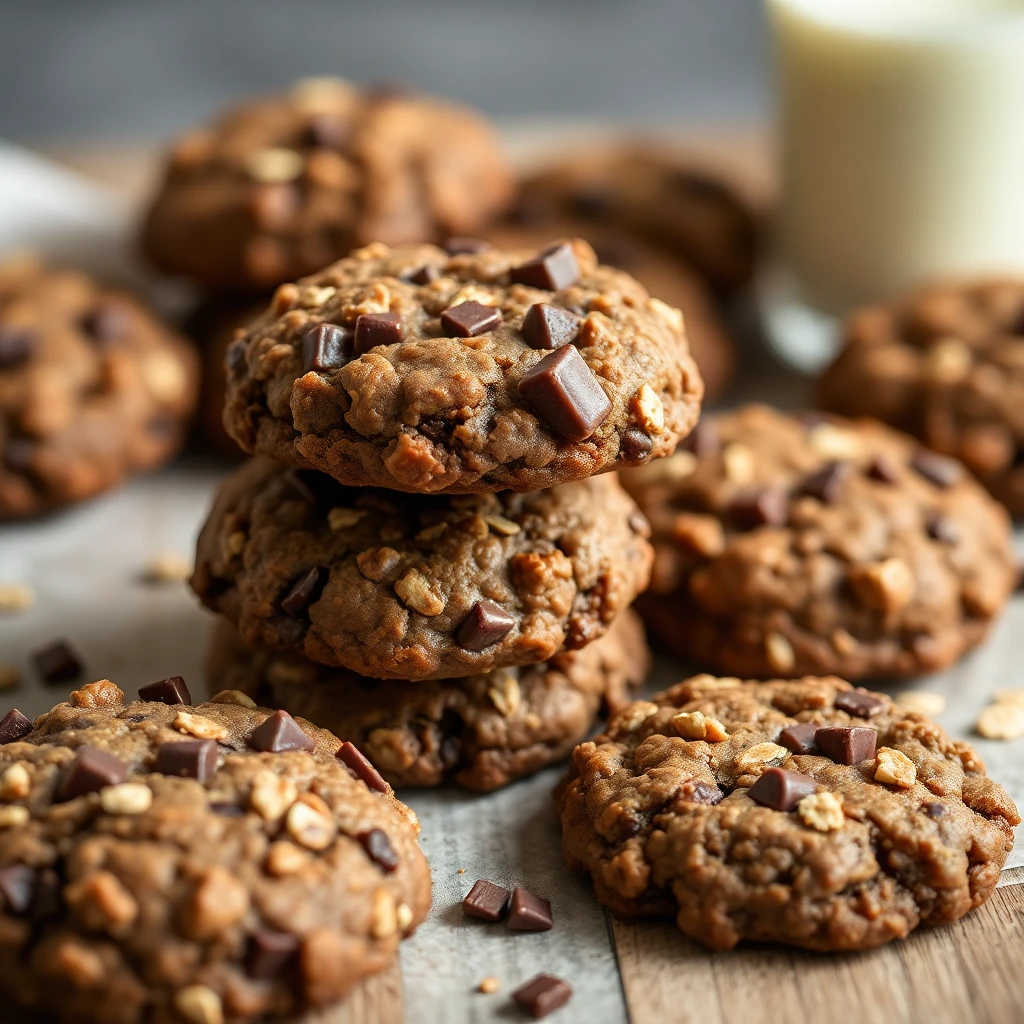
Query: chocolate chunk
16, 345
379, 849
57, 663
167, 691
553, 268
373, 329
427, 273
828, 484
847, 745
542, 995
759, 506
326, 347
943, 529
107, 322
305, 590
484, 626
327, 131
936, 469
703, 440
280, 732
269, 952
235, 357
799, 738
227, 810
469, 319
486, 901
859, 703
13, 726
781, 789
933, 809
697, 791
465, 246
565, 394
883, 469
635, 446
529, 913
17, 886
353, 759
92, 770
547, 326
187, 759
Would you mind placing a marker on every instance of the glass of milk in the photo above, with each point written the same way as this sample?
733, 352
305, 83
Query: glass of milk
901, 154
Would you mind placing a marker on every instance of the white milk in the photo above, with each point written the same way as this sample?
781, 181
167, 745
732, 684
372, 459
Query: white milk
901, 142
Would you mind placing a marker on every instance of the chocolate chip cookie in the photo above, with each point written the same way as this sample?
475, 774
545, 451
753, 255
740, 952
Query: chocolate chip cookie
481, 732
280, 187
787, 545
946, 364
92, 388
425, 370
803, 812
399, 586
160, 861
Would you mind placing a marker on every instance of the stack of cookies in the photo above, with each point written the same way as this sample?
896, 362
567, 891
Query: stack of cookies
430, 556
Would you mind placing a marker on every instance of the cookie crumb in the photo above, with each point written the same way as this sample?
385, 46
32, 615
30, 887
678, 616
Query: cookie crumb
16, 597
822, 811
923, 702
1003, 719
695, 725
489, 986
168, 567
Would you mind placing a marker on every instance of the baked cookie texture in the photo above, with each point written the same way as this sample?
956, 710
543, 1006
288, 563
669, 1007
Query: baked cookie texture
145, 880
92, 388
480, 732
365, 374
946, 364
789, 545
399, 586
280, 187
679, 810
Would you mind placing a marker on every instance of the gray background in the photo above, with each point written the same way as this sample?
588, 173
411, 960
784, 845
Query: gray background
135, 69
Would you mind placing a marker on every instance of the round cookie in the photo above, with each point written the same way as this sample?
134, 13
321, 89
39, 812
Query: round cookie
162, 862
480, 732
946, 364
790, 545
418, 370
804, 812
398, 586
92, 388
280, 187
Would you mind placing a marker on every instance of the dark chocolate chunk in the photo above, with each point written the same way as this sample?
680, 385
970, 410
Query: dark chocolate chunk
16, 345
305, 590
327, 131
227, 810
859, 703
553, 268
427, 273
542, 995
167, 691
92, 770
465, 246
781, 789
883, 469
373, 329
828, 484
469, 319
379, 849
933, 809
187, 759
799, 738
703, 440
759, 506
529, 913
943, 529
697, 791
484, 626
57, 663
17, 886
486, 901
547, 326
936, 469
353, 759
326, 347
107, 322
635, 446
269, 952
846, 745
13, 726
280, 732
565, 394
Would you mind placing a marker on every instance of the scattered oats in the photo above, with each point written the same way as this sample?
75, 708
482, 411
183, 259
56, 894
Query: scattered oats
636, 714
314, 296
383, 915
403, 915
284, 858
343, 518
417, 593
923, 702
16, 597
505, 693
949, 361
502, 525
310, 823
835, 443
1002, 720
738, 462
780, 653
126, 798
201, 728
489, 986
165, 377
234, 545
650, 413
9, 677
431, 533
233, 697
761, 755
672, 316
894, 768
274, 165
199, 1005
822, 811
13, 816
15, 783
695, 725
168, 567
271, 795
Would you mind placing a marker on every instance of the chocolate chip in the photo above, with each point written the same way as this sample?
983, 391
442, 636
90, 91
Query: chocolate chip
635, 447
305, 590
373, 329
16, 345
91, 770
57, 663
565, 394
379, 849
758, 506
269, 952
799, 738
934, 809
469, 319
107, 322
17, 886
280, 732
465, 246
942, 528
828, 483
697, 791
859, 703
883, 469
167, 691
542, 995
486, 901
529, 913
326, 347
327, 131
353, 759
13, 726
227, 810
846, 745
427, 273
187, 759
484, 626
547, 326
781, 789
936, 469
703, 440
553, 268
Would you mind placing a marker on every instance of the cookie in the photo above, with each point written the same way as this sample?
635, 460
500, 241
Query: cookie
399, 586
280, 187
802, 812
422, 371
161, 862
480, 732
664, 196
92, 388
789, 545
946, 364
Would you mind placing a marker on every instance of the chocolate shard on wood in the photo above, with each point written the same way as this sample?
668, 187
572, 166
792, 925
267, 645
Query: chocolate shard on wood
187, 759
547, 326
542, 995
171, 690
781, 789
553, 268
858, 703
469, 319
373, 329
565, 394
305, 590
356, 762
799, 738
484, 626
280, 732
57, 663
846, 745
529, 913
92, 770
326, 347
486, 901
13, 726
